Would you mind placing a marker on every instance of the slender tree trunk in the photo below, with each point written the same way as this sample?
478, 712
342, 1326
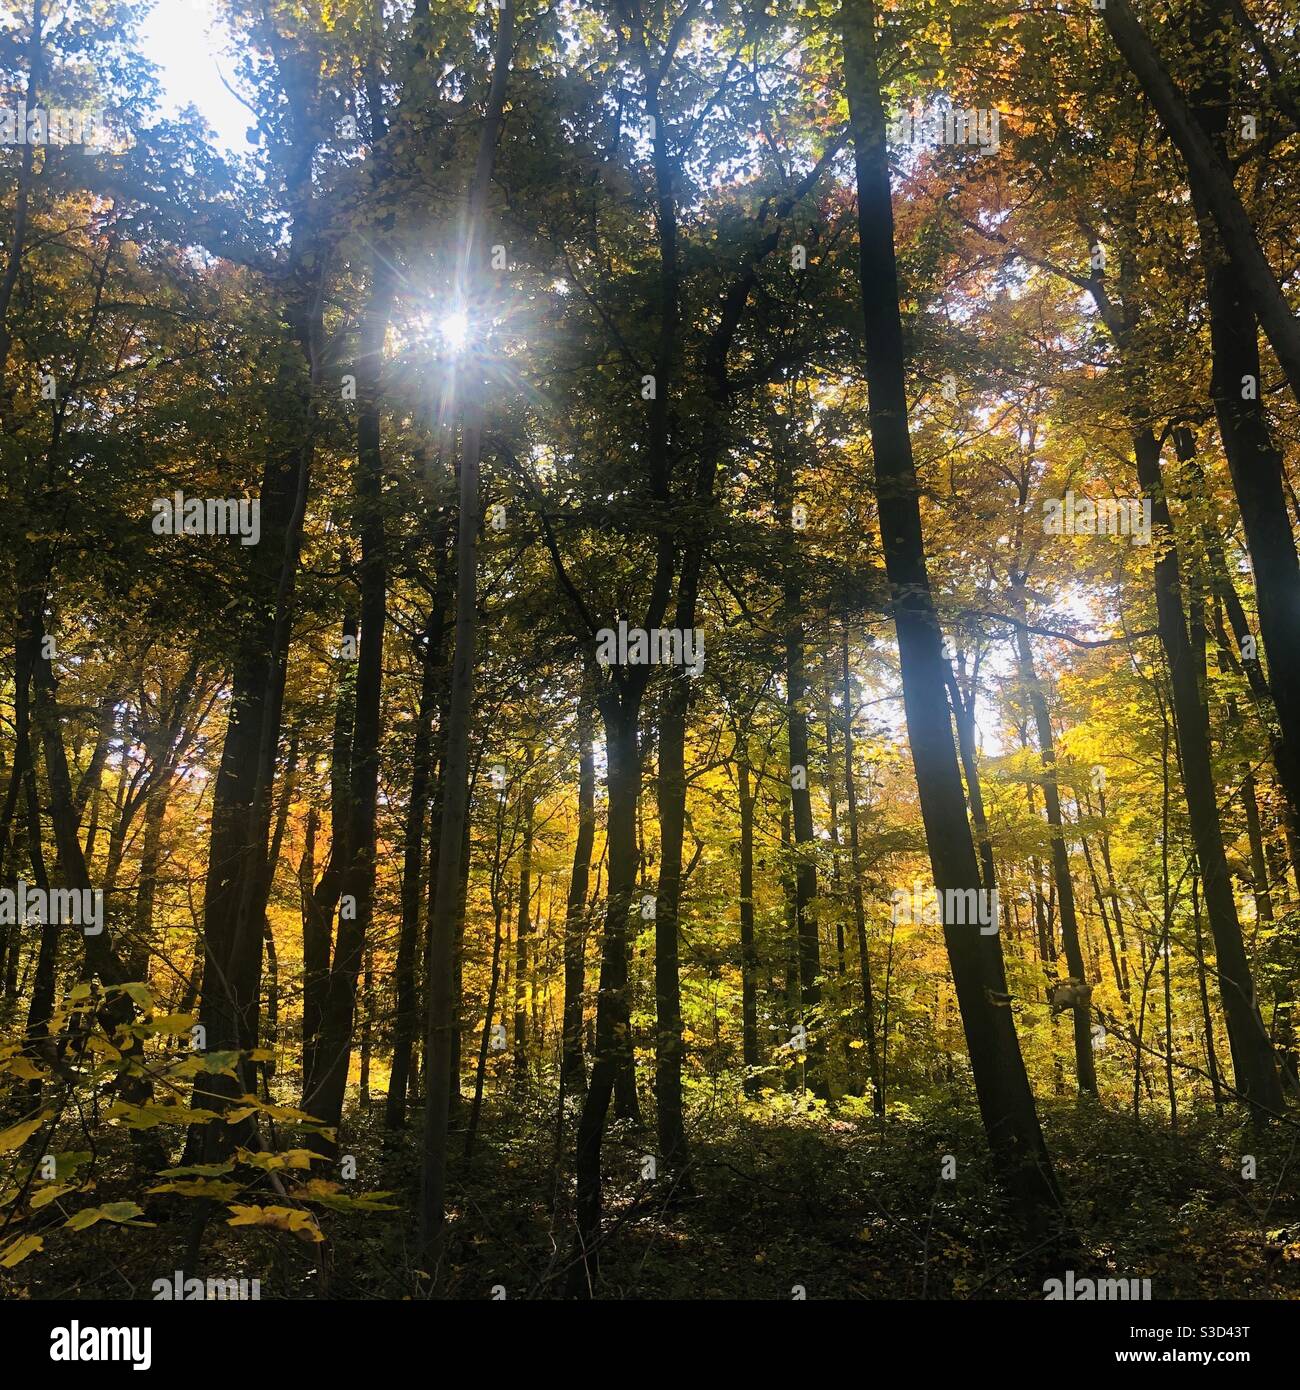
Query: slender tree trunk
498, 916
101, 955
1112, 888
1211, 183
40, 1007
417, 809
1118, 968
855, 869
805, 870
324, 1089
18, 238
367, 1028
1254, 460
234, 905
1001, 1082
271, 1031
672, 812
963, 708
22, 784
447, 904
749, 963
455, 1099
1211, 1059
523, 934
89, 783
1084, 1062
1252, 1055
575, 918
613, 1013
320, 902
793, 993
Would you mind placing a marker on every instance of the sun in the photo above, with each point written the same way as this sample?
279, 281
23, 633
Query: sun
454, 330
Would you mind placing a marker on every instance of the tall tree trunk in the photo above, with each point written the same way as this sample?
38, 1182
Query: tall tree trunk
40, 1006
1211, 1058
324, 1088
671, 789
367, 1026
805, 869
272, 1030
963, 711
417, 810
1252, 1055
1210, 180
499, 910
18, 238
321, 900
22, 785
575, 917
101, 955
1001, 1082
447, 904
523, 933
1254, 461
1084, 1062
89, 782
749, 963
855, 867
613, 1006
454, 1097
792, 996
234, 902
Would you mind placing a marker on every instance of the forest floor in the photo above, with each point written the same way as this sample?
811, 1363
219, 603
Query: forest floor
785, 1198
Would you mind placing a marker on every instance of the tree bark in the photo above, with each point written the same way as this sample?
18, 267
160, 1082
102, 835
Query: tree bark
325, 1087
807, 932
1254, 461
859, 911
448, 904
575, 917
749, 963
320, 901
1002, 1085
234, 902
523, 933
1084, 1062
613, 1040
417, 810
671, 789
1252, 1054
1211, 183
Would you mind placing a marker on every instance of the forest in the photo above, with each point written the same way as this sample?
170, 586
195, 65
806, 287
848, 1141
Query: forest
651, 650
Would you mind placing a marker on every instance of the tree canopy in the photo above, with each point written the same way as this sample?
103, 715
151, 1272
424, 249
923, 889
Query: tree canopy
654, 650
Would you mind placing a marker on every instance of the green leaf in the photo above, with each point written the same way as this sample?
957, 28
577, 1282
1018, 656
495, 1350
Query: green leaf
199, 1170
202, 1187
118, 1212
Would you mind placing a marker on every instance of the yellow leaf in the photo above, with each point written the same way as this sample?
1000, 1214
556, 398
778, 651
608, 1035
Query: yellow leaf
43, 1196
291, 1158
29, 1071
19, 1250
253, 1106
19, 1134
282, 1218
201, 1187
147, 1116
